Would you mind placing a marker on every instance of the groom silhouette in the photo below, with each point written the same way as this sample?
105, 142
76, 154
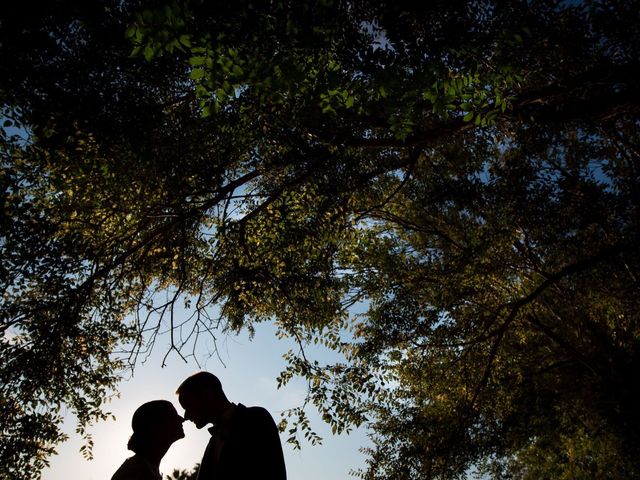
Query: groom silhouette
244, 444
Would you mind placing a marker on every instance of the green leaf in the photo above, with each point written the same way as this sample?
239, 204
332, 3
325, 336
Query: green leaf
468, 117
328, 109
197, 73
148, 53
201, 91
185, 40
237, 71
130, 32
197, 61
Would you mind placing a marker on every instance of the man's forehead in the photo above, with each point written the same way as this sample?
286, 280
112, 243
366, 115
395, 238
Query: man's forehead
186, 397
194, 395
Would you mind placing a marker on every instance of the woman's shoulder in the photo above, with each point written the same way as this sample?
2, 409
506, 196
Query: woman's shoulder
135, 468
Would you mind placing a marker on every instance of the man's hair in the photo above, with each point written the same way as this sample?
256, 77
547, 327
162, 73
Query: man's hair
201, 382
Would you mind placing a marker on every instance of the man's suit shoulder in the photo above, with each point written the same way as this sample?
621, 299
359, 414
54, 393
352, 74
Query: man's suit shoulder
254, 414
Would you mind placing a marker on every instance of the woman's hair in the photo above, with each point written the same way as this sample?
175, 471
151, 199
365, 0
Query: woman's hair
144, 418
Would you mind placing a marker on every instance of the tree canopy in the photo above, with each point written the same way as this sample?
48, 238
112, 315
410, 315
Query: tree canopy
467, 171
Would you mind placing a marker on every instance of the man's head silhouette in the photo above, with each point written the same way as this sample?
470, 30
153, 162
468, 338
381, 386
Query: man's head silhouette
202, 398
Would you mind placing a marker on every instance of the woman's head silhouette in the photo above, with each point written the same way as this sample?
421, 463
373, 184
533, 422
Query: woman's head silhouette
155, 422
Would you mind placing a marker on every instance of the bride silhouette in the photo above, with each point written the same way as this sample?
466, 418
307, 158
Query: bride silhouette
156, 425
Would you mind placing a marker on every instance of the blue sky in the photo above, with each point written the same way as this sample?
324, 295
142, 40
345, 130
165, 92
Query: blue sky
248, 376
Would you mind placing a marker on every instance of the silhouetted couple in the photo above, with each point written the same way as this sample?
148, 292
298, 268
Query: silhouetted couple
244, 444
